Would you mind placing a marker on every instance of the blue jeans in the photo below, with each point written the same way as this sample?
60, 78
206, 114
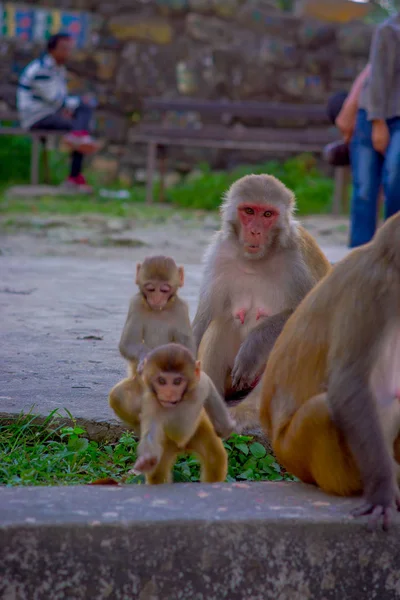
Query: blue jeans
80, 121
369, 170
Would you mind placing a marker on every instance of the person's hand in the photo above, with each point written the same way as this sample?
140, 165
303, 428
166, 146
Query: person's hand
345, 122
380, 136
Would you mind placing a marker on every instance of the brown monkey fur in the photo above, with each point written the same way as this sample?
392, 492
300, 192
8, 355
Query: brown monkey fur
330, 392
259, 267
174, 419
156, 316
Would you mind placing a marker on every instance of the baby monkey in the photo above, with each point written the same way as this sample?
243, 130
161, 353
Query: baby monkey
156, 316
177, 396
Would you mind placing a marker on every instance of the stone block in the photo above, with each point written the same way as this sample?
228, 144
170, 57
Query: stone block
226, 8
348, 70
274, 51
269, 23
106, 168
313, 34
335, 11
297, 85
172, 7
106, 61
210, 30
130, 27
260, 541
355, 38
201, 6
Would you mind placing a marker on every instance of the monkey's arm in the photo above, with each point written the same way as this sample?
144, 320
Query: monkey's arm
131, 344
183, 333
217, 410
151, 444
255, 350
354, 412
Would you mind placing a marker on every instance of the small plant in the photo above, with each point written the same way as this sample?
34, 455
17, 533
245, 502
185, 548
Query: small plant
47, 453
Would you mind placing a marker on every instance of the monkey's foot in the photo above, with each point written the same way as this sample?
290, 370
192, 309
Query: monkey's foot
241, 315
144, 464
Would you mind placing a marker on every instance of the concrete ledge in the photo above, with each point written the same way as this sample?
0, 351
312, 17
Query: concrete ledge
277, 541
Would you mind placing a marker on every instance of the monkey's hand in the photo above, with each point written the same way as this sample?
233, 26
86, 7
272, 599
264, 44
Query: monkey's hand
225, 430
381, 501
248, 366
144, 464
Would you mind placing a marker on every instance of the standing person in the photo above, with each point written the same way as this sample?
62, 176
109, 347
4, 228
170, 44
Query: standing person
43, 103
375, 143
342, 111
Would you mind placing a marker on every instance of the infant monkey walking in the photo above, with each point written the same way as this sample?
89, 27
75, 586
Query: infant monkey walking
156, 316
176, 396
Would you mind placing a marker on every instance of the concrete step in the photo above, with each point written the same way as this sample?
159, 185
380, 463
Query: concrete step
260, 541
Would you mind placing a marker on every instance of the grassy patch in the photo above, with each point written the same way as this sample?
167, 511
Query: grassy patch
47, 453
312, 189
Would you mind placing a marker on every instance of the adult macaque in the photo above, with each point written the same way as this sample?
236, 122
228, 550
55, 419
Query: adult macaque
259, 267
174, 418
330, 392
156, 316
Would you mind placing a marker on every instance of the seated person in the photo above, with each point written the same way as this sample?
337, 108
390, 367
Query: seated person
43, 103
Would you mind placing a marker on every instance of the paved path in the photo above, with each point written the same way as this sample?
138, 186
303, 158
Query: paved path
47, 306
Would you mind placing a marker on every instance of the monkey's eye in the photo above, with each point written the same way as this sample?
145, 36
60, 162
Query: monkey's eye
150, 288
161, 381
268, 214
249, 211
177, 380
165, 289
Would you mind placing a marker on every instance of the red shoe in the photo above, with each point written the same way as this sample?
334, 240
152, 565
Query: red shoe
78, 184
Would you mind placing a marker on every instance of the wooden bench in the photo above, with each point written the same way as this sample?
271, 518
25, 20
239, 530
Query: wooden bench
222, 135
38, 138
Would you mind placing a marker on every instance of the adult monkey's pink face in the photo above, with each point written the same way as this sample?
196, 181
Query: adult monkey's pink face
256, 221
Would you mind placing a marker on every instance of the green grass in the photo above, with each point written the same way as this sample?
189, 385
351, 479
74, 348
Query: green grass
312, 189
50, 453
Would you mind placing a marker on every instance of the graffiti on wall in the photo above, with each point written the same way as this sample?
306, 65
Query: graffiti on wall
37, 24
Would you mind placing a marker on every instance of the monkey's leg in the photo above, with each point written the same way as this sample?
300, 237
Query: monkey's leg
163, 471
211, 451
312, 448
125, 399
217, 351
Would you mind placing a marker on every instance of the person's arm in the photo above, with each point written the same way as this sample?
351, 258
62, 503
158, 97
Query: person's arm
382, 58
346, 119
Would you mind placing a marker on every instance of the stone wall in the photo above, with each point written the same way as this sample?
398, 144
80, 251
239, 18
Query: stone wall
235, 49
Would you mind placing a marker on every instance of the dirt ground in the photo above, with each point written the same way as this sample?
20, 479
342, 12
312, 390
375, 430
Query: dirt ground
96, 236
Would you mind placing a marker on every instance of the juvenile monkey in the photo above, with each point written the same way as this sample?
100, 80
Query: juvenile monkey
259, 267
156, 316
174, 419
330, 394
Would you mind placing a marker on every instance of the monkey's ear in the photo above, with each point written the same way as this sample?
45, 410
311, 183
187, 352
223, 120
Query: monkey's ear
197, 369
138, 266
181, 275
